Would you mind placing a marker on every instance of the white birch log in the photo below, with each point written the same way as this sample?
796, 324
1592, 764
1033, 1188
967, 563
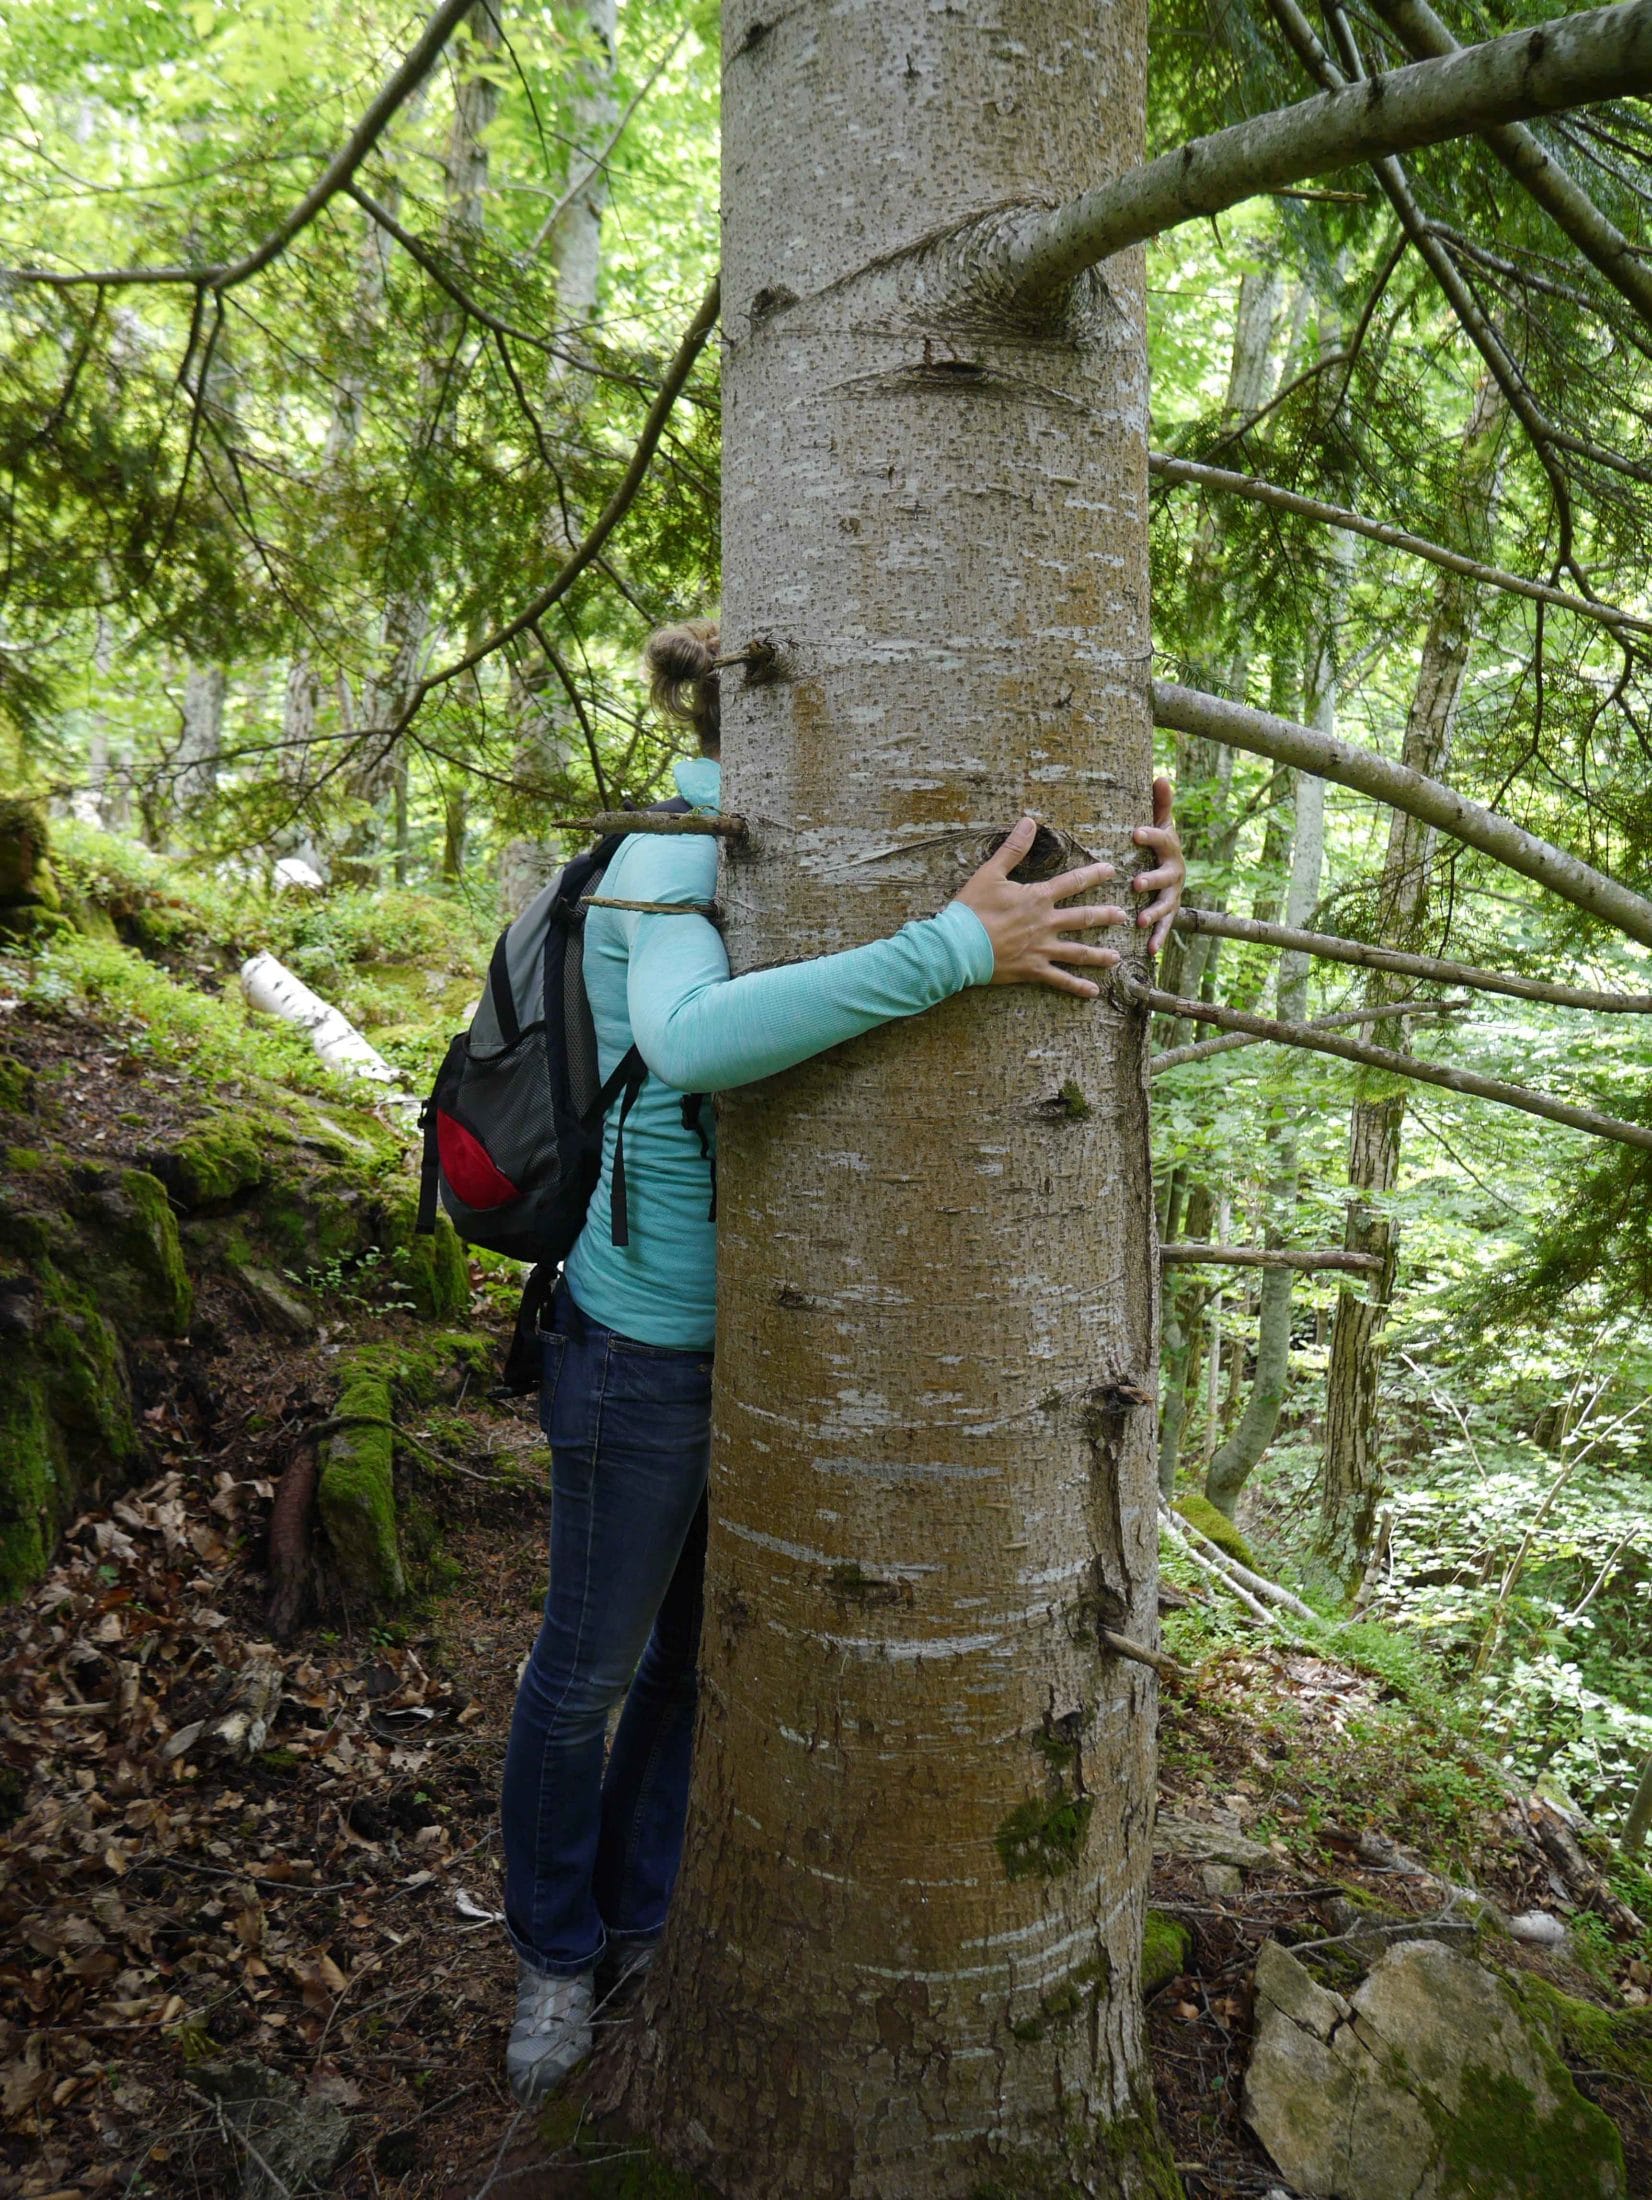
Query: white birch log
270, 987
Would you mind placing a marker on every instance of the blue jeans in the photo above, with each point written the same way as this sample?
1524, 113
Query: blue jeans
591, 1849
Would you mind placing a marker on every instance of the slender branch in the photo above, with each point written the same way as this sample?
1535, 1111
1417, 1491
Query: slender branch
1331, 949
398, 88
1605, 53
1184, 710
1570, 208
1174, 1057
1316, 1041
1178, 470
1257, 1256
1258, 1584
1125, 1646
727, 826
599, 161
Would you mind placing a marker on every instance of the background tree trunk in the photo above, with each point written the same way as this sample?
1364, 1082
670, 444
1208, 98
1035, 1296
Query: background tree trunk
378, 780
903, 1959
1351, 1483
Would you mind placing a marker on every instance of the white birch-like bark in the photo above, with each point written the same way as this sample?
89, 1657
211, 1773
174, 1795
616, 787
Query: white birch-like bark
270, 987
903, 1957
407, 616
201, 743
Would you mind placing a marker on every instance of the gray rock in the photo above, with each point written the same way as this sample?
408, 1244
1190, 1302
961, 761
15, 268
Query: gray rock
1428, 2085
1222, 1879
1204, 1841
280, 1306
291, 2142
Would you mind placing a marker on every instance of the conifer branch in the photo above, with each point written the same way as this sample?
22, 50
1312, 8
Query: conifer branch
1310, 1261
1317, 1041
397, 89
1388, 1013
1185, 710
1605, 53
1225, 482
1330, 948
1572, 210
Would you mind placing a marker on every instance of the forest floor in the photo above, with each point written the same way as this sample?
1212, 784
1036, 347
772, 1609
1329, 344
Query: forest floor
317, 1893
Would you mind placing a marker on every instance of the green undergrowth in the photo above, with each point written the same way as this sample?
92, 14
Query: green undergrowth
403, 966
612, 2164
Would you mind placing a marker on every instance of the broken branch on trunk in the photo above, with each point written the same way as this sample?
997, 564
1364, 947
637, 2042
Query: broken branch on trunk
1605, 53
1316, 1041
1310, 1261
1329, 948
1186, 710
1226, 482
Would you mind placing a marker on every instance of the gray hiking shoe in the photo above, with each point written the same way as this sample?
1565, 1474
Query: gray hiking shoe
552, 2032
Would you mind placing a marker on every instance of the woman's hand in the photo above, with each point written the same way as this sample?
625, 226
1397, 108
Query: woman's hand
1027, 928
1169, 874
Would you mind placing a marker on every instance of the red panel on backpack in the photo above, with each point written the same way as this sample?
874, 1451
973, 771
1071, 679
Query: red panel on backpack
468, 1167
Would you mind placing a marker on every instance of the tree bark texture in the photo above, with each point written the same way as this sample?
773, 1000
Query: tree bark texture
903, 1957
1351, 1481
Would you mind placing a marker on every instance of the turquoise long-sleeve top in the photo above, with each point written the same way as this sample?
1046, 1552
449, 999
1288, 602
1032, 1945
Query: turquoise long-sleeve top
663, 984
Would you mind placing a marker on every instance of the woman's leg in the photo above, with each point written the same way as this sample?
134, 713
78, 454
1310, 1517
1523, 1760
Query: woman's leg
629, 1431
645, 1789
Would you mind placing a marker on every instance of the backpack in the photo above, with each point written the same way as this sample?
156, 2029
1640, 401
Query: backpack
513, 1125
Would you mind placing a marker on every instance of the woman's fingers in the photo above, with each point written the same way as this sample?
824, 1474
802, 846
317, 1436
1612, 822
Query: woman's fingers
1088, 920
1068, 981
1079, 881
1163, 874
1080, 951
1016, 842
1161, 914
1160, 838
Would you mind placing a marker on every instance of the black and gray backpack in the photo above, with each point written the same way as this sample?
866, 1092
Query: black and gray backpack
513, 1125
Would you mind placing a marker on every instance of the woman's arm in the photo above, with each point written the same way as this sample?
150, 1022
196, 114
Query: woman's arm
702, 1031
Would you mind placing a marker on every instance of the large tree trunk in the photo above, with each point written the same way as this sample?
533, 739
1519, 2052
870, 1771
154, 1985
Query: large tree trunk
904, 1954
1351, 1482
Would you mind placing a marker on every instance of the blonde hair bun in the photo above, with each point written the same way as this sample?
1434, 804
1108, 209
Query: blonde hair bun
678, 661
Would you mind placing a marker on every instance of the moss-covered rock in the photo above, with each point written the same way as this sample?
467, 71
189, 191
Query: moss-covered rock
65, 1414
434, 1268
1430, 2080
1617, 2041
17, 1086
1210, 1521
356, 1490
217, 1158
28, 892
132, 1247
1166, 1944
